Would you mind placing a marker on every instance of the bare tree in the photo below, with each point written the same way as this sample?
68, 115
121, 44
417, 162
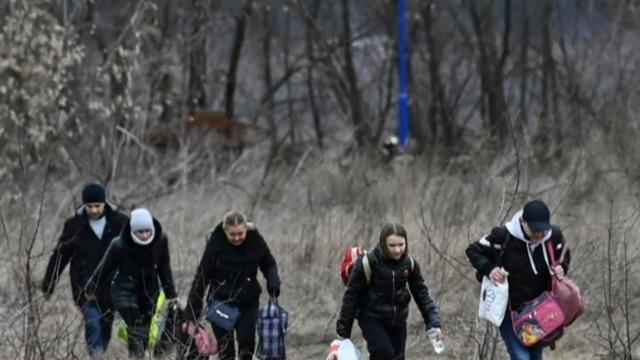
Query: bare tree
196, 45
550, 117
311, 88
234, 57
439, 115
160, 45
491, 63
361, 127
268, 77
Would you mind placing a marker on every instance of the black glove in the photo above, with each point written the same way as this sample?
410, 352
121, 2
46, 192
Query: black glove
274, 291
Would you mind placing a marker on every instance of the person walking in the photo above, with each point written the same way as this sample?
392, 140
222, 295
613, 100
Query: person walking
140, 260
378, 294
518, 251
84, 240
234, 252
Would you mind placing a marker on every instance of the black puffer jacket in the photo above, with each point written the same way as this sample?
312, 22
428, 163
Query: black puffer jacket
386, 296
79, 245
137, 270
230, 272
528, 276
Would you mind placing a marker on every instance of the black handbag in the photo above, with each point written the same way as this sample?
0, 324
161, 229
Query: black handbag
223, 315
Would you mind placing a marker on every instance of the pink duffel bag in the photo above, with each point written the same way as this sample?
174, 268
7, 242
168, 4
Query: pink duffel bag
566, 291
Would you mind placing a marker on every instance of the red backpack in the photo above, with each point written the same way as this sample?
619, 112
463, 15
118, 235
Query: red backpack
349, 262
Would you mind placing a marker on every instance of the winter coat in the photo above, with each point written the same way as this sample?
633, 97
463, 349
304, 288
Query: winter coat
528, 264
79, 245
230, 272
386, 296
137, 269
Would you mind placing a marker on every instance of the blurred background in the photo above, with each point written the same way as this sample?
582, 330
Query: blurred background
284, 109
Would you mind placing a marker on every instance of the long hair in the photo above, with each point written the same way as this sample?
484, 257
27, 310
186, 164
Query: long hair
389, 229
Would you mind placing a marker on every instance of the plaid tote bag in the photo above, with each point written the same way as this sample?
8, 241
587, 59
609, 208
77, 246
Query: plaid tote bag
272, 328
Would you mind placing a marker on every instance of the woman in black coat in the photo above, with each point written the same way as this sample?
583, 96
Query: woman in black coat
229, 268
378, 297
141, 257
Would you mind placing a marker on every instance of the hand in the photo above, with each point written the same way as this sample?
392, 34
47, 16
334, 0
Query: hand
172, 303
189, 327
274, 291
558, 271
439, 335
498, 275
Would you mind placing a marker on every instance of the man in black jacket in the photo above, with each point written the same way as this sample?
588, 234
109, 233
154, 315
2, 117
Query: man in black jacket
518, 251
84, 240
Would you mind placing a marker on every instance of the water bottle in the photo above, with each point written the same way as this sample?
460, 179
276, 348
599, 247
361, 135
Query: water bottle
438, 344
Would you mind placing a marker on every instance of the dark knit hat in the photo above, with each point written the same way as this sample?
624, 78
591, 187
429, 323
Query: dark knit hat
93, 193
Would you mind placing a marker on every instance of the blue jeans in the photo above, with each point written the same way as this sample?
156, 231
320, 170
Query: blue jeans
97, 328
516, 350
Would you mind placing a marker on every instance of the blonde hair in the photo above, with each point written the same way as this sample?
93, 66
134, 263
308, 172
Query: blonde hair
233, 218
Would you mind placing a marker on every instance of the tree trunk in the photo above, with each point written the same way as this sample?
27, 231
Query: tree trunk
197, 93
286, 63
234, 59
160, 79
315, 113
361, 129
268, 78
524, 63
491, 67
438, 109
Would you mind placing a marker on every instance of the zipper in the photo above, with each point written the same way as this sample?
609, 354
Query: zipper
393, 295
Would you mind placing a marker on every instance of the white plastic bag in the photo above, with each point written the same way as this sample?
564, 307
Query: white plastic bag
494, 298
343, 350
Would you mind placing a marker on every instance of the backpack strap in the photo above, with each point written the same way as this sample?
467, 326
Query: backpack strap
366, 266
507, 240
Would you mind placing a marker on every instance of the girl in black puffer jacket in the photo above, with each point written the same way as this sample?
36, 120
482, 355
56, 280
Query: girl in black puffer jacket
139, 257
381, 303
228, 269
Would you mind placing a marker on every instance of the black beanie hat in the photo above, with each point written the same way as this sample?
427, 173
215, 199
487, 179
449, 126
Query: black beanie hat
93, 193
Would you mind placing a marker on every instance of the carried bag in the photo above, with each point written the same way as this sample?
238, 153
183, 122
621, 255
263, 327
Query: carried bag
272, 328
156, 327
539, 321
494, 300
567, 292
343, 350
200, 341
223, 315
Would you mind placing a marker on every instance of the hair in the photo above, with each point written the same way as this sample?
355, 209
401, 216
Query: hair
233, 218
389, 229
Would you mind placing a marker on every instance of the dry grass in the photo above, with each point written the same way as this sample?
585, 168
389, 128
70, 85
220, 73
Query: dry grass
312, 206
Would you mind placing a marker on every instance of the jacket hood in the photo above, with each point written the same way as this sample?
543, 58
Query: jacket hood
515, 229
127, 237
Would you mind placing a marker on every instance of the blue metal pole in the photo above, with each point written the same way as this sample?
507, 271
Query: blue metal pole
403, 69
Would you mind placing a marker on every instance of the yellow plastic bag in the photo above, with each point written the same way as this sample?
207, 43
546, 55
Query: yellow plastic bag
155, 328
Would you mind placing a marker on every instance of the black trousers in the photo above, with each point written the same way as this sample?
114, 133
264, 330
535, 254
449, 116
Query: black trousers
245, 333
138, 320
385, 340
